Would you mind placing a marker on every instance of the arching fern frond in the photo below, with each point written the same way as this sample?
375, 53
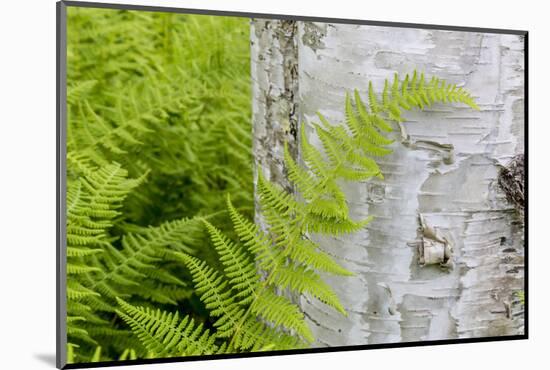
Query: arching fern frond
415, 91
214, 292
226, 302
238, 265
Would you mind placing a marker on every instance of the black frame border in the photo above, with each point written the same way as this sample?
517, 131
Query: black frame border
61, 109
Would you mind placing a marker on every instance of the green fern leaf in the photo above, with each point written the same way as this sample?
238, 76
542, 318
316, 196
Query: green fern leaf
301, 280
238, 266
165, 334
281, 312
307, 253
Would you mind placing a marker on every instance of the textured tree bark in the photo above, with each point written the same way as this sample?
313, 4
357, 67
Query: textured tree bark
441, 179
274, 90
274, 58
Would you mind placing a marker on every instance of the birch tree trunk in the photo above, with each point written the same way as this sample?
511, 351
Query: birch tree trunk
274, 90
442, 176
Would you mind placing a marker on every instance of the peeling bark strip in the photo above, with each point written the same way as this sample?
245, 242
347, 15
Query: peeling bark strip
274, 55
444, 171
443, 257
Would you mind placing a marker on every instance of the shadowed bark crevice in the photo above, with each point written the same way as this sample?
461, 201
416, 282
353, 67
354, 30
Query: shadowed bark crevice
512, 179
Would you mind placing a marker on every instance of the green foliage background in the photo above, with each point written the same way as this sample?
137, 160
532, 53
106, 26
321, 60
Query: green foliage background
158, 132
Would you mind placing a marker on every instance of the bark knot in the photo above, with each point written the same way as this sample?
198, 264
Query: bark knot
433, 249
511, 180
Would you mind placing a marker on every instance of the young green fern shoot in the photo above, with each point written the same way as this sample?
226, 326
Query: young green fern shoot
245, 301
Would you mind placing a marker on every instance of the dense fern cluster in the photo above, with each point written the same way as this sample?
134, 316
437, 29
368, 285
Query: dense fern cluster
249, 299
158, 132
138, 83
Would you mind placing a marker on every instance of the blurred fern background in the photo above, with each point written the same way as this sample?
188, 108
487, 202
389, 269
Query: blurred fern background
158, 134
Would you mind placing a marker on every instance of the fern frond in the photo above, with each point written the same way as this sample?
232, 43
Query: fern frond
326, 208
281, 312
303, 180
307, 253
295, 277
231, 309
238, 266
214, 291
76, 291
164, 293
365, 117
373, 100
79, 268
165, 334
267, 257
416, 92
320, 225
80, 252
93, 202
313, 157
363, 126
275, 198
139, 257
256, 336
301, 280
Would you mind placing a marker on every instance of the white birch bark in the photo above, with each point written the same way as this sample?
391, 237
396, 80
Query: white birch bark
445, 174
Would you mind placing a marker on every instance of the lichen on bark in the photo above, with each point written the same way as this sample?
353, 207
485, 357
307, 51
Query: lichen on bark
275, 84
